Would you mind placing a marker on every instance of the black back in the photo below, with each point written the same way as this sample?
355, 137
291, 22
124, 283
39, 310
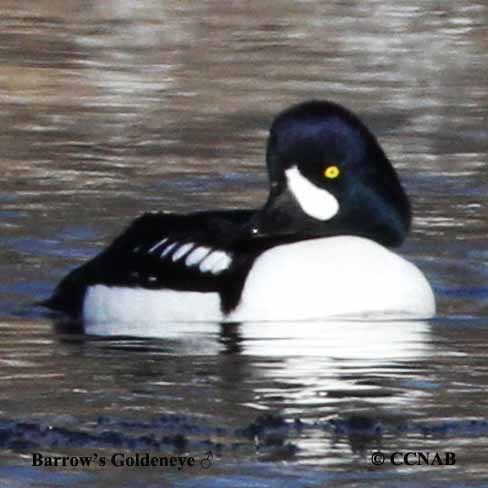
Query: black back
129, 261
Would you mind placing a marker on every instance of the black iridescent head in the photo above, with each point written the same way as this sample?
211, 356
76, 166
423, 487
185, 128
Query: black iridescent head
329, 176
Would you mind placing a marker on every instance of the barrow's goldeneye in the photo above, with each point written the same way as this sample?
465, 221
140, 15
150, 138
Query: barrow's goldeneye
316, 249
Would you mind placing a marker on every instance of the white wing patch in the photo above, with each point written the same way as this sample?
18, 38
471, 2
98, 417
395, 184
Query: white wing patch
159, 244
208, 260
314, 201
215, 262
222, 264
182, 250
196, 255
168, 249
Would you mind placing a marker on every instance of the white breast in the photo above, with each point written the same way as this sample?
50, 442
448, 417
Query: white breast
341, 276
335, 277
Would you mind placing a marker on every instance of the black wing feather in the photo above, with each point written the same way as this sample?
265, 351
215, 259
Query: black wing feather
137, 258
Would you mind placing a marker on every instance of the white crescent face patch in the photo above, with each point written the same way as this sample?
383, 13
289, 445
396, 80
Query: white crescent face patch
314, 201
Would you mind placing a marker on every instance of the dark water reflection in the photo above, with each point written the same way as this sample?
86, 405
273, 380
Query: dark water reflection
355, 387
109, 109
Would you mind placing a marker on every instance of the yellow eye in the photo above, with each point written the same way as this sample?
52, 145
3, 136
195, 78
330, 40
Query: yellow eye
332, 172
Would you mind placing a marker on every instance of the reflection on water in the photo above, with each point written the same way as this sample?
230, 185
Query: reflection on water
289, 368
113, 108
321, 393
311, 360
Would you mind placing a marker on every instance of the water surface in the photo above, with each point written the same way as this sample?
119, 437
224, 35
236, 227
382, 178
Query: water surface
115, 108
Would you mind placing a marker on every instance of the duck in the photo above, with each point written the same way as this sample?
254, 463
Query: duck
321, 246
